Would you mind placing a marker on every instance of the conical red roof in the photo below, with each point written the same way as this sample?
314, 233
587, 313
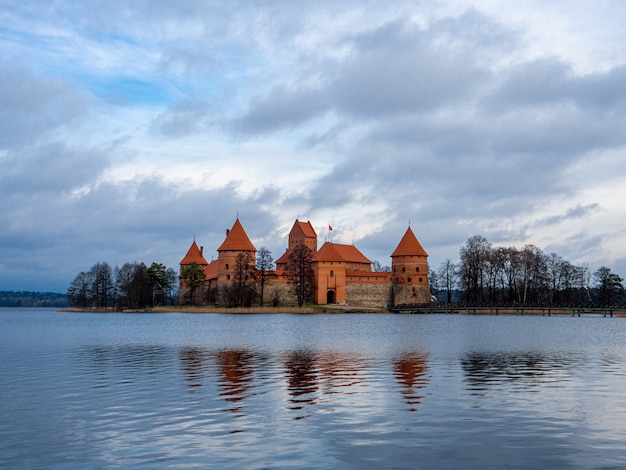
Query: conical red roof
237, 239
409, 246
194, 255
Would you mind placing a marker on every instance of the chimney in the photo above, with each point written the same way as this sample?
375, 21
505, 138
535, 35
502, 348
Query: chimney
201, 250
227, 232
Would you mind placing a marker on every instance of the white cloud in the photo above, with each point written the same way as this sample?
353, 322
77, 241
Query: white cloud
128, 128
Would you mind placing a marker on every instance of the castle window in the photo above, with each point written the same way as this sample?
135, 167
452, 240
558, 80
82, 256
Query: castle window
417, 270
228, 277
420, 279
403, 269
227, 267
331, 273
408, 279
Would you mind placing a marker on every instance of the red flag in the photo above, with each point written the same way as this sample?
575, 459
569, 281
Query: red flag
330, 229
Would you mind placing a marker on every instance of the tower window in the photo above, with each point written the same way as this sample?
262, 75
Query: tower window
228, 277
331, 273
403, 269
408, 279
226, 265
420, 279
417, 269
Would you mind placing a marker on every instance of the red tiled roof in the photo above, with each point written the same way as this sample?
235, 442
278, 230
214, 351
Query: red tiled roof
237, 239
409, 246
210, 271
337, 252
194, 255
283, 259
306, 228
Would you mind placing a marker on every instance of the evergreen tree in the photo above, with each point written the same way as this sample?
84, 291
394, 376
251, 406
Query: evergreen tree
192, 276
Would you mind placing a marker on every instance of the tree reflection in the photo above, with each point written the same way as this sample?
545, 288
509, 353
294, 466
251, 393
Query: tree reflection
526, 368
194, 365
302, 378
410, 371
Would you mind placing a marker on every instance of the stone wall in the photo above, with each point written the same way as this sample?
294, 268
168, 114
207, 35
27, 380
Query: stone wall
368, 295
280, 290
403, 294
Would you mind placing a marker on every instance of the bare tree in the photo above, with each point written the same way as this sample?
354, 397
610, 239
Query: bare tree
79, 293
379, 268
102, 284
241, 292
447, 276
474, 257
300, 272
609, 285
265, 270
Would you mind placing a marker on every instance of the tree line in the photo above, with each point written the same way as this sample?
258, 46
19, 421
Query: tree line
507, 275
134, 285
32, 299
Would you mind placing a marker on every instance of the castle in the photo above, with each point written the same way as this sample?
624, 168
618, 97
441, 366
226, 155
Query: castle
341, 273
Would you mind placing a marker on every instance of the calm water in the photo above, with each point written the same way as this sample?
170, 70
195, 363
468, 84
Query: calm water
316, 391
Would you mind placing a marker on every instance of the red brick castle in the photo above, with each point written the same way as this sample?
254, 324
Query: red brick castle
342, 274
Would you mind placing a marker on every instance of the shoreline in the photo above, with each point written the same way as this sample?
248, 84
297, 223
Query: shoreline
335, 309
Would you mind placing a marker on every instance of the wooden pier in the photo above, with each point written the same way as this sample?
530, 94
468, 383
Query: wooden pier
509, 310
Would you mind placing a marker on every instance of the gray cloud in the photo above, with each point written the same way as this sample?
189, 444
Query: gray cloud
441, 119
31, 106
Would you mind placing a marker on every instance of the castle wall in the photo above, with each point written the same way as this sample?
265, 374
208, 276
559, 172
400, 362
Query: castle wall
406, 294
373, 295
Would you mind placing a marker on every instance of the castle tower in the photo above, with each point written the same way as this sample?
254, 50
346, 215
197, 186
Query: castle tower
236, 242
409, 262
195, 254
303, 233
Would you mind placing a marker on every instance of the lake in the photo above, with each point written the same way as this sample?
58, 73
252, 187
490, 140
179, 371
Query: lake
347, 391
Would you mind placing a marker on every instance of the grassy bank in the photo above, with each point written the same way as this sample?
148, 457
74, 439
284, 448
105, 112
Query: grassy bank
242, 310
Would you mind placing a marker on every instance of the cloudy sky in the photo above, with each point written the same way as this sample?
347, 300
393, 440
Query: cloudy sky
128, 128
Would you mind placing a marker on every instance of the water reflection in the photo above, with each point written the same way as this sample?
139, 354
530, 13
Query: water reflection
410, 371
525, 369
340, 372
308, 375
236, 375
193, 363
124, 364
302, 378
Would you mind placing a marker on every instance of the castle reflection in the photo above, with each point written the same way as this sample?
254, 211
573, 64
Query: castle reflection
236, 372
309, 375
410, 370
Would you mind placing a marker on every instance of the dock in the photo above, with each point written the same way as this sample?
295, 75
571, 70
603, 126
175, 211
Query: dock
447, 309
